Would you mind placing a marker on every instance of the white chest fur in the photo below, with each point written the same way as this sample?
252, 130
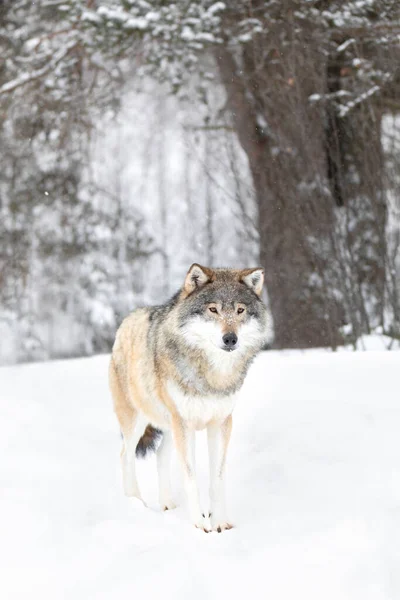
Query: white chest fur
198, 411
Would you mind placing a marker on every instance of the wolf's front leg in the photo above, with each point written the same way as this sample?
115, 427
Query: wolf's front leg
218, 435
184, 439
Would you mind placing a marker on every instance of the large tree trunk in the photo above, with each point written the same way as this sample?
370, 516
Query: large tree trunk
292, 223
318, 173
304, 314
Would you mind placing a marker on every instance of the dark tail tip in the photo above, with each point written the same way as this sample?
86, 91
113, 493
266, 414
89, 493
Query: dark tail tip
148, 441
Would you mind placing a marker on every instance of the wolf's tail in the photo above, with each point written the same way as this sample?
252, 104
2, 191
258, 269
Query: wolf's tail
148, 441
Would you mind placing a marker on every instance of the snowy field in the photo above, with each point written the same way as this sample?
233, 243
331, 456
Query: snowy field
313, 482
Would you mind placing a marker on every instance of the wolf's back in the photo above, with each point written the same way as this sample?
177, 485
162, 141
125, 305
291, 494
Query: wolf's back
130, 339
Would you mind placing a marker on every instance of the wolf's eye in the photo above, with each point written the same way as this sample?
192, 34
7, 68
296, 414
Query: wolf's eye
240, 311
212, 309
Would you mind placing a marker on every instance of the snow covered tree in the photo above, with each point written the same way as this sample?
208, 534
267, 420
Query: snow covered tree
307, 83
61, 240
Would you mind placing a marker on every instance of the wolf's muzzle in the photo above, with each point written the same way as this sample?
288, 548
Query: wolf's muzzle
230, 341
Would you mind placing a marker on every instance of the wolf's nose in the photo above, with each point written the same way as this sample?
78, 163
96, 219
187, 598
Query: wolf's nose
230, 340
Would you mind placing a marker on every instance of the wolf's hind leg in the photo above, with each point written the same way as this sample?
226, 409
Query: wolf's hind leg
218, 435
132, 428
163, 468
131, 435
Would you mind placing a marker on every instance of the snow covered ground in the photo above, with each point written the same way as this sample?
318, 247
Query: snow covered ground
314, 488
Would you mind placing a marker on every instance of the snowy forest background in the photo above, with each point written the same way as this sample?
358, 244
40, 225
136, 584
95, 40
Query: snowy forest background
138, 137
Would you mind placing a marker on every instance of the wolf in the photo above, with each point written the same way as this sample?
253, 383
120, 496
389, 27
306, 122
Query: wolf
176, 369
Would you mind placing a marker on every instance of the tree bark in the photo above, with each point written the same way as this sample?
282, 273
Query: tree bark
301, 319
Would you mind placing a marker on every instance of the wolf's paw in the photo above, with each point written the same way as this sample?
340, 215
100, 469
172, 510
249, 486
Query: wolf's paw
202, 523
220, 525
168, 505
165, 500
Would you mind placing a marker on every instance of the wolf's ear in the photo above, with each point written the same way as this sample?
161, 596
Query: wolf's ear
196, 277
254, 279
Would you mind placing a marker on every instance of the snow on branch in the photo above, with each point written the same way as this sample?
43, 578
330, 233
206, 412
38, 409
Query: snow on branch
26, 78
345, 45
332, 96
344, 109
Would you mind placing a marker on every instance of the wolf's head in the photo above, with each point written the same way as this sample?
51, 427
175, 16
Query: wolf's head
220, 310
